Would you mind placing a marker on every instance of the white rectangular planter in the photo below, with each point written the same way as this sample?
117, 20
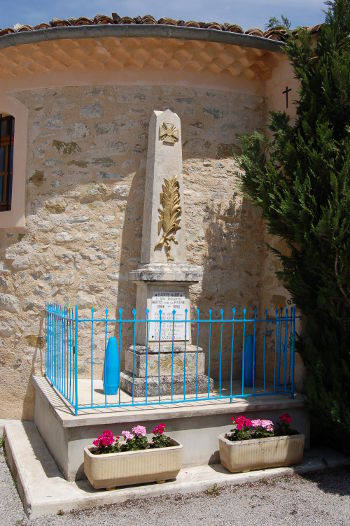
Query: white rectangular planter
261, 453
132, 467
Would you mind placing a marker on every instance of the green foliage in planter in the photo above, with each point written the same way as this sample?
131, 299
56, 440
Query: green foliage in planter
300, 177
136, 440
246, 429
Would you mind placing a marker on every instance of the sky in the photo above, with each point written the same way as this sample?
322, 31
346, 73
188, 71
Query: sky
247, 13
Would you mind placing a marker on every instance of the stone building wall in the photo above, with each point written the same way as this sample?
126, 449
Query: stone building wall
84, 205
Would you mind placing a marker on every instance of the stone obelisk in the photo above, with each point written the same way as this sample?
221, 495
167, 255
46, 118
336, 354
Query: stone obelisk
164, 276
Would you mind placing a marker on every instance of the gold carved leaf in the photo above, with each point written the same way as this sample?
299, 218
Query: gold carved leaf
168, 133
169, 215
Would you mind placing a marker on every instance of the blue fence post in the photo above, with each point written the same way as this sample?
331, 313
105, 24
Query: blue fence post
146, 370
104, 363
243, 352
76, 405
172, 355
254, 346
185, 353
92, 357
249, 361
209, 352
54, 347
264, 355
71, 367
46, 346
133, 352
275, 362
67, 349
197, 351
220, 367
293, 351
232, 347
159, 340
120, 338
285, 353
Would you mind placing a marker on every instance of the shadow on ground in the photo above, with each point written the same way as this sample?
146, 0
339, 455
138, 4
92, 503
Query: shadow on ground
331, 480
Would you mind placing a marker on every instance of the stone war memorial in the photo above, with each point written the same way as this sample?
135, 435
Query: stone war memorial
128, 253
164, 277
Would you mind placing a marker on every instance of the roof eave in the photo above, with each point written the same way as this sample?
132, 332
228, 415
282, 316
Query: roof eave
144, 31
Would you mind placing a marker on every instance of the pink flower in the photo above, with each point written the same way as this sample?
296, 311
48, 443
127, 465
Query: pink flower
127, 435
285, 418
267, 424
242, 422
159, 429
140, 431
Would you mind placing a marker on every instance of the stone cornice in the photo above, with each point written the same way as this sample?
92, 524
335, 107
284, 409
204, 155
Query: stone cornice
133, 30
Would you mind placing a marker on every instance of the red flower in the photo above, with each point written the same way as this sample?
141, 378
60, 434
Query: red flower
285, 418
159, 429
104, 440
242, 422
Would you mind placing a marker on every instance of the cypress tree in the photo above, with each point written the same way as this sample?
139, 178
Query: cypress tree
300, 177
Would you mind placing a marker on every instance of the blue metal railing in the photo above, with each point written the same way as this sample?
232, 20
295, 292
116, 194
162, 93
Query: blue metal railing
75, 349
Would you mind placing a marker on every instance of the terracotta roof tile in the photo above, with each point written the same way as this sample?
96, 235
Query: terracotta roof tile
81, 21
168, 21
192, 23
233, 28
255, 31
126, 20
271, 34
42, 26
148, 19
214, 25
55, 22
103, 19
19, 28
6, 31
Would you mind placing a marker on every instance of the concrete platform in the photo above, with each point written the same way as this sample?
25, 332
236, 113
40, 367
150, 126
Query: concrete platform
195, 425
44, 490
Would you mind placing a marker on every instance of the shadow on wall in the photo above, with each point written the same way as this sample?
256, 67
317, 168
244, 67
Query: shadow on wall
130, 251
37, 367
232, 271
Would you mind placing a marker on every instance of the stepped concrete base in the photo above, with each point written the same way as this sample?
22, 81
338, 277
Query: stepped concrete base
44, 490
169, 366
167, 385
166, 361
195, 425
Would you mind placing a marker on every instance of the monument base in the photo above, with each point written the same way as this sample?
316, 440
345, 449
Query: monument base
194, 385
170, 360
173, 361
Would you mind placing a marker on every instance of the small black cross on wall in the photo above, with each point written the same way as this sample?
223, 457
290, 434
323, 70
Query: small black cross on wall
286, 93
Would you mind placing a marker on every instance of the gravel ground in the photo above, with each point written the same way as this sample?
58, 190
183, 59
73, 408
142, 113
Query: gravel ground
321, 498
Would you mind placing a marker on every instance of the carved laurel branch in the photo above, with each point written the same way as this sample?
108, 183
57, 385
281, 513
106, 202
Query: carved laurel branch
169, 215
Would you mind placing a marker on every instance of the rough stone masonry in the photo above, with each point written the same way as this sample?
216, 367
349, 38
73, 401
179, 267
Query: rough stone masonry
84, 211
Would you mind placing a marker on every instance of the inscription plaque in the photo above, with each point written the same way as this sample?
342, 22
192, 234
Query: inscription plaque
167, 302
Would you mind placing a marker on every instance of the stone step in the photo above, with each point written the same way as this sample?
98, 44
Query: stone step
44, 490
66, 435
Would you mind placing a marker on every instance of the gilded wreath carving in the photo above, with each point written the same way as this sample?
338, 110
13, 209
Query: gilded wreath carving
169, 215
168, 133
